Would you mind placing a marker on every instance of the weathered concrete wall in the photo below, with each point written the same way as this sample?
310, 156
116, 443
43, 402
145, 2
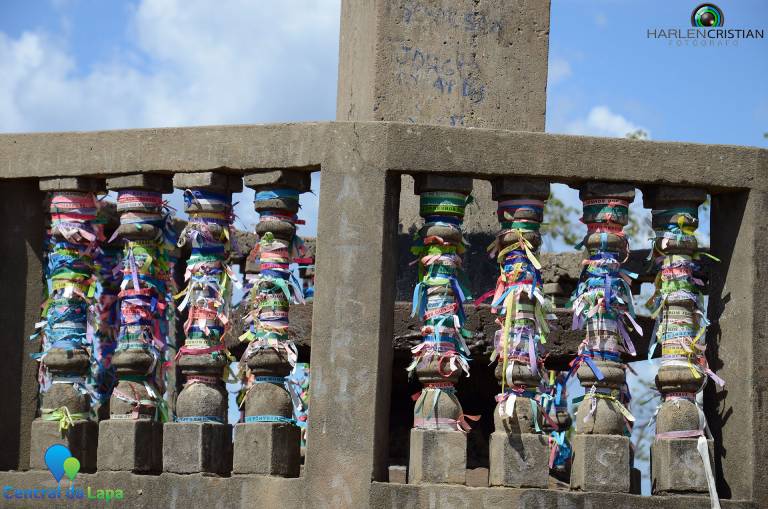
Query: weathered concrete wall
472, 63
738, 344
21, 280
480, 153
439, 496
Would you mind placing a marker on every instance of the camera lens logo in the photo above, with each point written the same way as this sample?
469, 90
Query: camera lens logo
707, 16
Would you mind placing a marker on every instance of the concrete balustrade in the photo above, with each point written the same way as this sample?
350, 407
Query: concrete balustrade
349, 355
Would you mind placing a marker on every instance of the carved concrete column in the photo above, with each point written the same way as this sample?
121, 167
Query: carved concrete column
438, 439
681, 455
199, 439
268, 442
133, 433
66, 415
602, 306
518, 450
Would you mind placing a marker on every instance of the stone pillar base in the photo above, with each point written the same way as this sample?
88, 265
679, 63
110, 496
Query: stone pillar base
601, 463
677, 467
197, 447
268, 448
437, 456
82, 440
520, 460
130, 445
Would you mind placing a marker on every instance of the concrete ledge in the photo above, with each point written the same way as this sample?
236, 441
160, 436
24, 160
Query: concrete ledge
441, 496
407, 148
164, 490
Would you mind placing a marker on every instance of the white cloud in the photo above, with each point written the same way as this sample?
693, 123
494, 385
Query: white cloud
186, 62
601, 19
559, 69
192, 62
601, 121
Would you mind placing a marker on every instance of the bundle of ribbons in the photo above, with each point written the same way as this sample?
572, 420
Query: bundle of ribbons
146, 290
521, 308
70, 246
274, 287
298, 385
554, 402
105, 320
438, 299
602, 303
209, 284
681, 318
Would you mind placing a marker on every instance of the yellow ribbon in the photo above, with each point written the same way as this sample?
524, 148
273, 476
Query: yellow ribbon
64, 416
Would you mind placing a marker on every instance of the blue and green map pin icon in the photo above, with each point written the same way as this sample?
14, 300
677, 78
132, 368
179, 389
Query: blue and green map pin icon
71, 467
55, 456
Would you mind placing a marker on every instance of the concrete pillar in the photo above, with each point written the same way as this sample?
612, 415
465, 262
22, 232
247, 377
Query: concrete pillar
66, 413
681, 455
23, 289
132, 436
603, 307
737, 343
519, 453
268, 442
200, 439
438, 448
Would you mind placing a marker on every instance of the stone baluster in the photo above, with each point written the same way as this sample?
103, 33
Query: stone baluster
67, 341
200, 439
268, 442
681, 454
518, 451
602, 306
438, 439
132, 436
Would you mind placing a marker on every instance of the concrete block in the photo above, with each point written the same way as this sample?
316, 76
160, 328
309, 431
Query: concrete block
398, 474
83, 184
82, 440
427, 183
658, 196
520, 460
300, 180
597, 189
677, 467
214, 181
130, 445
197, 447
511, 187
600, 463
437, 456
161, 183
268, 448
